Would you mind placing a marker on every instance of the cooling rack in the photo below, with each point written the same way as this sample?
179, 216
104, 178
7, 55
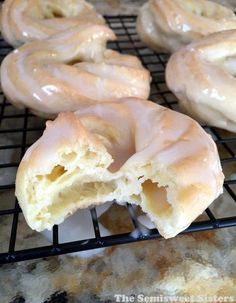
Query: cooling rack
19, 129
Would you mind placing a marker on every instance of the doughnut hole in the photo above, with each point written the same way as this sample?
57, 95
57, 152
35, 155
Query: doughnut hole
59, 9
56, 13
73, 62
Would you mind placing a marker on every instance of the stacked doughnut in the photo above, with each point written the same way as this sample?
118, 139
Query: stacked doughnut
103, 145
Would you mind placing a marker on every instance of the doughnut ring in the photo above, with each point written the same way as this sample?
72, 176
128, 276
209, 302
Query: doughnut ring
133, 151
26, 20
71, 70
202, 76
167, 25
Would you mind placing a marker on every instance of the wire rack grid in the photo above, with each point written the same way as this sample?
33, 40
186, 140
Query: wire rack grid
19, 129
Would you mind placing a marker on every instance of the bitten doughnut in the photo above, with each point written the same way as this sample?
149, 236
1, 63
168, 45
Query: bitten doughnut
70, 70
167, 25
26, 20
202, 76
135, 151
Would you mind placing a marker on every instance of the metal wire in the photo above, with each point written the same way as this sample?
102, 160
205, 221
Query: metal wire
26, 128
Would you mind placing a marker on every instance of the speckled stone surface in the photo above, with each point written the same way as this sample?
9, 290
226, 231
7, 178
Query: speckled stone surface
194, 264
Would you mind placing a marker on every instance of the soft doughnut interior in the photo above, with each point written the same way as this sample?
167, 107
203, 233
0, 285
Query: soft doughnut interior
84, 177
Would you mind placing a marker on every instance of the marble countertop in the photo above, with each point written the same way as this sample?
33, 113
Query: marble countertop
194, 264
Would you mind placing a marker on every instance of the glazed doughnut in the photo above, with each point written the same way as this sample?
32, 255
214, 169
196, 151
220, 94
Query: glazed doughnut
71, 70
26, 20
202, 76
167, 25
135, 151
